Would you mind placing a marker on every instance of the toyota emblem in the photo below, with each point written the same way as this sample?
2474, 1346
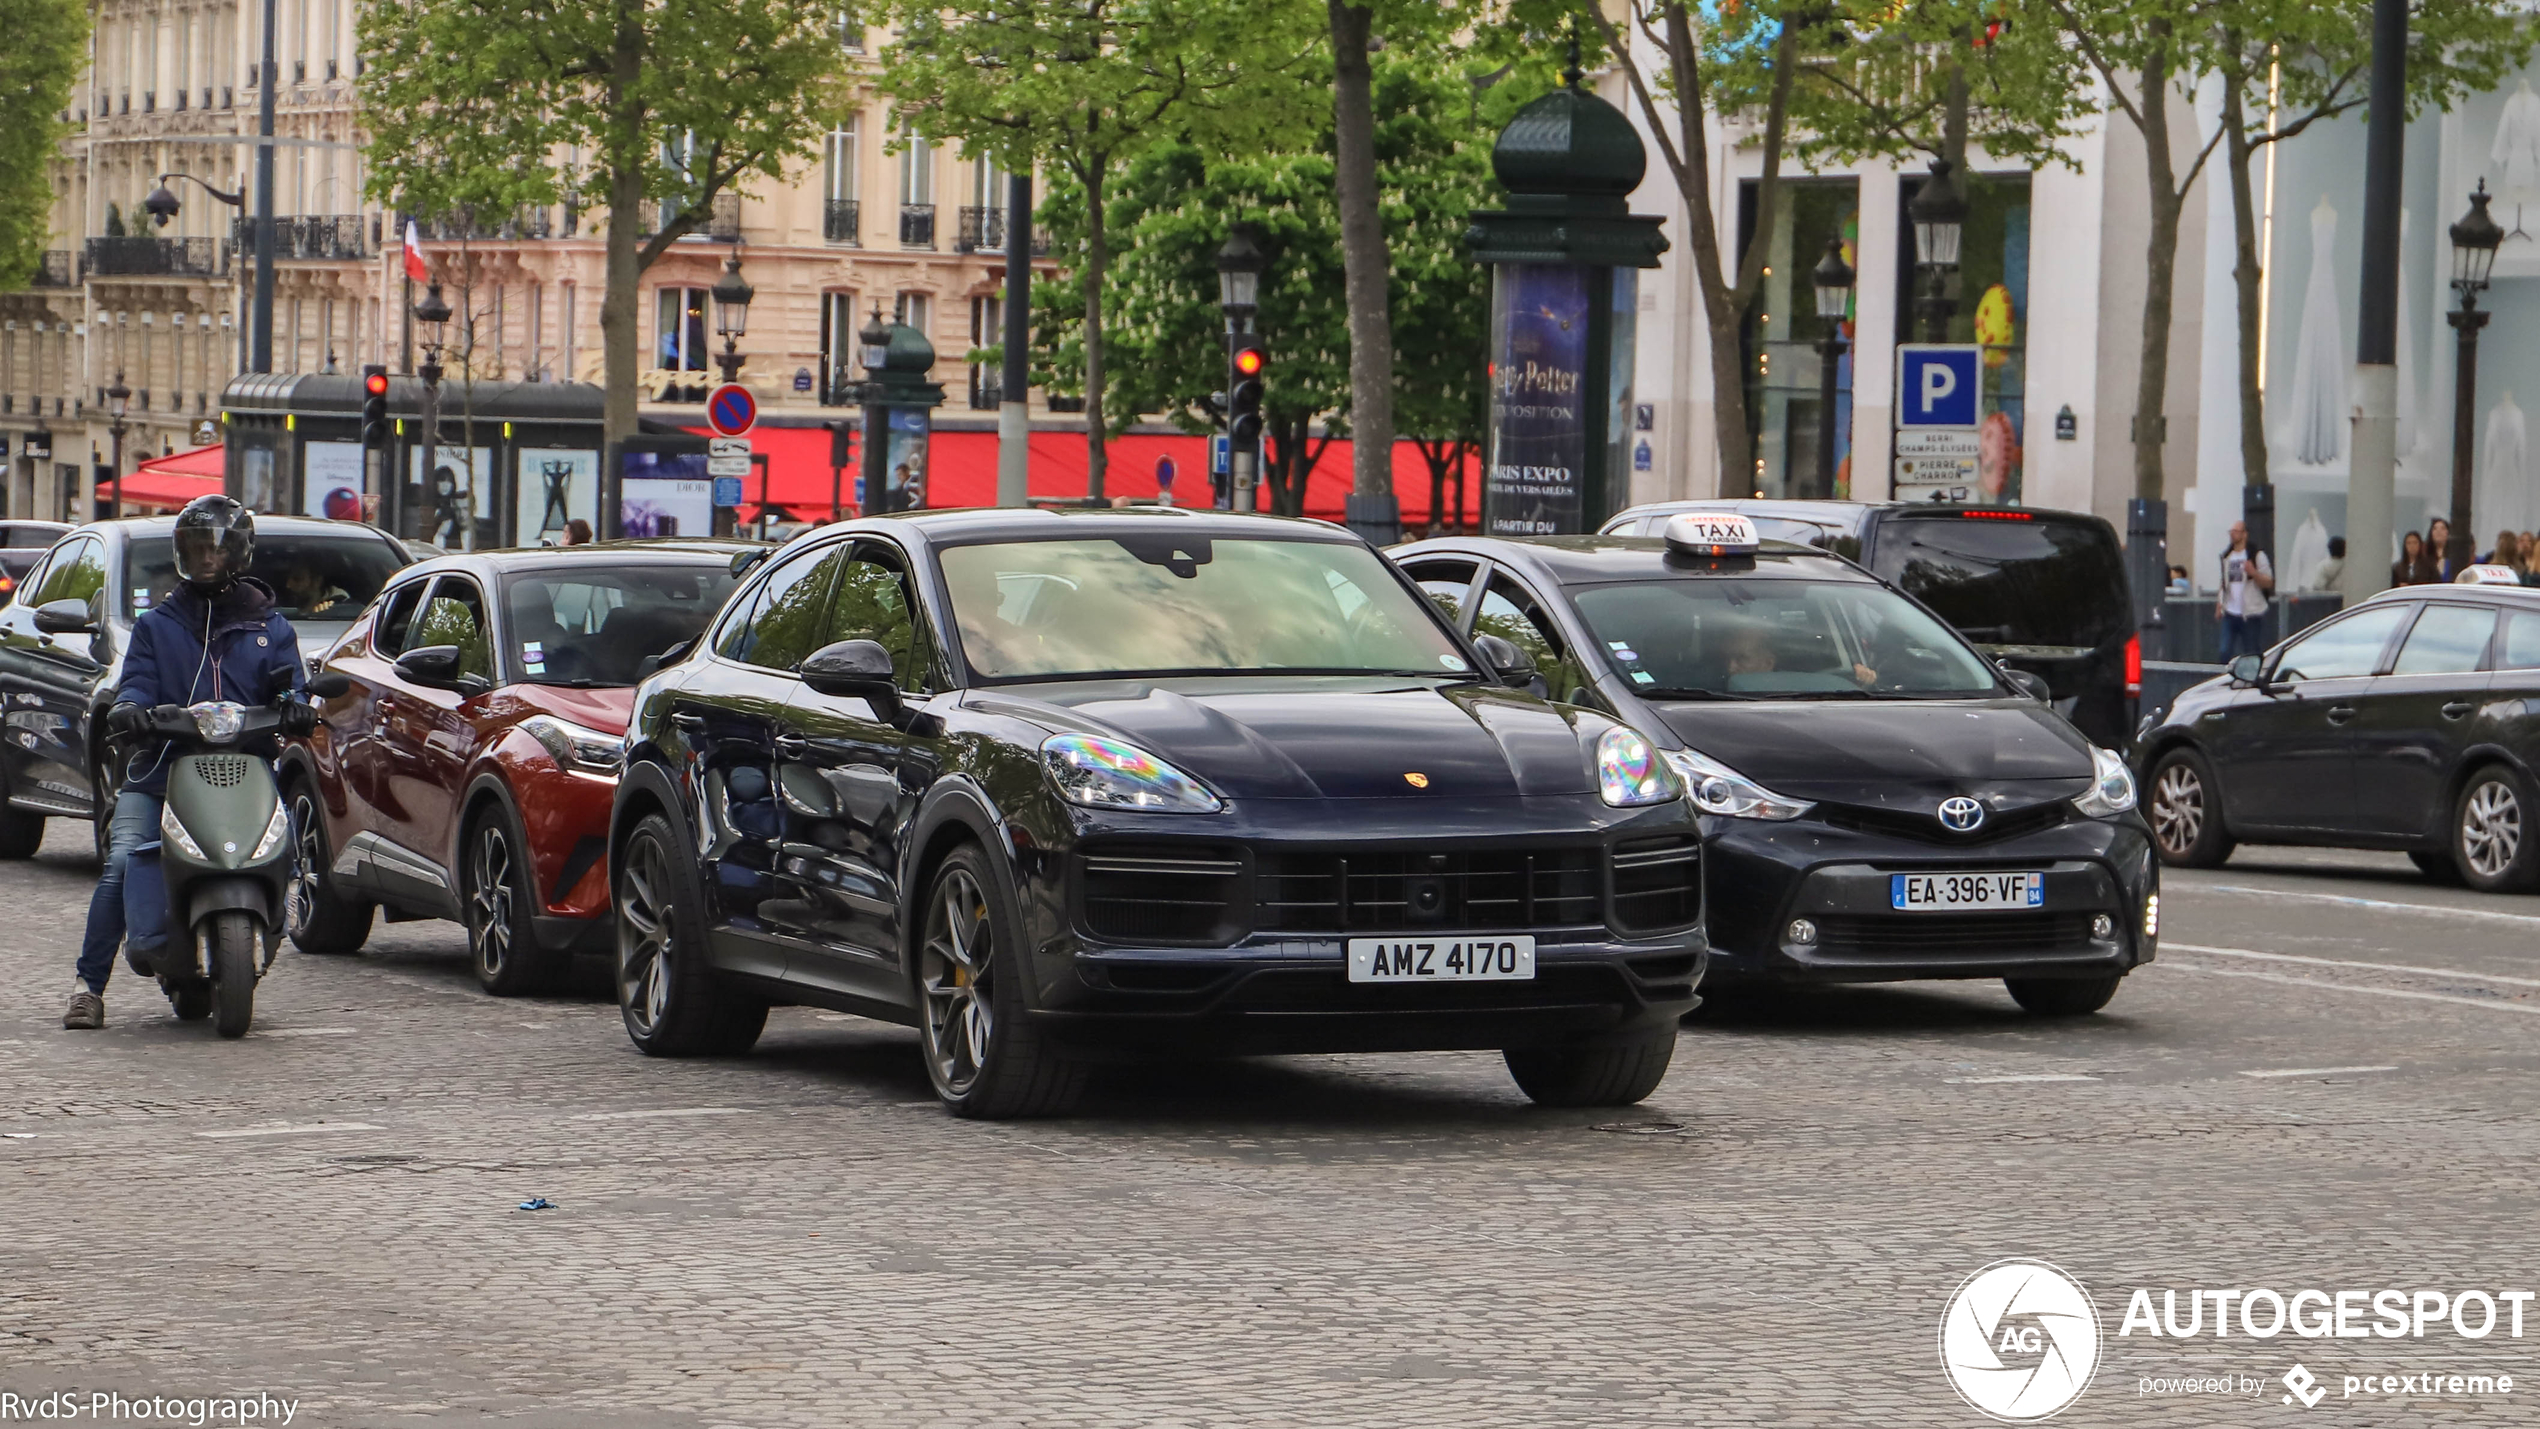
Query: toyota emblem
1961, 814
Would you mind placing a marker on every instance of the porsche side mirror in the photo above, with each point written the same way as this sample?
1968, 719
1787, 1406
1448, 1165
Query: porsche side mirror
2247, 669
65, 617
1506, 660
855, 669
2030, 683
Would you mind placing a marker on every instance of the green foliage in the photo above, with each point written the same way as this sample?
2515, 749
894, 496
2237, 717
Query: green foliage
43, 59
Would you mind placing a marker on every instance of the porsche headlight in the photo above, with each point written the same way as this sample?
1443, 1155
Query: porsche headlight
277, 829
575, 747
1718, 789
1104, 773
2111, 786
171, 831
1629, 772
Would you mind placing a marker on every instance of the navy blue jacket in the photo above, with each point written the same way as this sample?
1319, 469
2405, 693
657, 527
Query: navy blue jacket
186, 651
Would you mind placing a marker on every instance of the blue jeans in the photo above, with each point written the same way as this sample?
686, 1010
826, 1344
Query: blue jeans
2240, 636
136, 822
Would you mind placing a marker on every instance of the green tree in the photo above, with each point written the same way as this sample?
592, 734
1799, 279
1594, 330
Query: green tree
43, 59
1083, 86
650, 108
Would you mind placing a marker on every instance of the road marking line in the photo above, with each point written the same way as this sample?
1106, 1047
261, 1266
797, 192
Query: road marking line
2344, 963
306, 1129
661, 1111
2022, 1077
2312, 982
308, 1032
2316, 1071
2355, 902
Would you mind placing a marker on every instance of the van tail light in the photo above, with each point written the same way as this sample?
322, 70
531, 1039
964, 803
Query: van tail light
2133, 666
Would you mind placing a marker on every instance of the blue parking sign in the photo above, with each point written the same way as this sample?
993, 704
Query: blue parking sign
1938, 386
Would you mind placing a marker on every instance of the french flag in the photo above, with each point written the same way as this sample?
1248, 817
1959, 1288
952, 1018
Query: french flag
415, 267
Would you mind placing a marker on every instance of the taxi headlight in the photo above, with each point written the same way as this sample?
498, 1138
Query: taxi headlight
2111, 786
1718, 789
1104, 773
174, 832
277, 829
1629, 773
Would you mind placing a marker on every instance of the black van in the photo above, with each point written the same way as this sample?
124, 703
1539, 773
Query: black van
2042, 591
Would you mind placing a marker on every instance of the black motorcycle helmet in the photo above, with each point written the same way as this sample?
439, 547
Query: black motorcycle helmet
215, 543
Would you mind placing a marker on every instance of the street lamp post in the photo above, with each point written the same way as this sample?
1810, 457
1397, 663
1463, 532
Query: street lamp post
1239, 267
1833, 279
118, 402
2474, 242
1939, 212
433, 312
732, 297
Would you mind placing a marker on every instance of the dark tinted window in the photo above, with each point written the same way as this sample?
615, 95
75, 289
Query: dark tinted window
455, 615
396, 618
2059, 585
593, 623
314, 576
871, 603
2446, 640
77, 572
786, 615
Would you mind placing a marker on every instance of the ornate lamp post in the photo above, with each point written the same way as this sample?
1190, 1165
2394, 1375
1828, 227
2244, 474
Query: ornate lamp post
898, 407
1239, 267
2474, 242
118, 402
731, 316
434, 313
1939, 212
1833, 279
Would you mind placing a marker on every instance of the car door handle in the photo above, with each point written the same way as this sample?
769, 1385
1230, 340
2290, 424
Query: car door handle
2458, 708
792, 746
2339, 714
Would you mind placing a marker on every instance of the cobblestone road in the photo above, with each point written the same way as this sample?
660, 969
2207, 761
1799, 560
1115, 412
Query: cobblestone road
326, 1211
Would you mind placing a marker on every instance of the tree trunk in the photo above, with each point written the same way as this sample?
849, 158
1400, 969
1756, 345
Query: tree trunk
622, 270
2245, 274
1097, 264
2160, 264
1365, 263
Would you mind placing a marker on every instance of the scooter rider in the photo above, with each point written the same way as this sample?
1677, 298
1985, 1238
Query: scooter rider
216, 637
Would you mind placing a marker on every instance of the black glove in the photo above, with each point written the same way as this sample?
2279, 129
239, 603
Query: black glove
126, 721
297, 718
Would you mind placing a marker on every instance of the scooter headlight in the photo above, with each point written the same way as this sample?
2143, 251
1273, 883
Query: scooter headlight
218, 721
172, 831
277, 832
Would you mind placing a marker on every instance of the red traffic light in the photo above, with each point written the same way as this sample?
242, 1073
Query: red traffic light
376, 384
1248, 361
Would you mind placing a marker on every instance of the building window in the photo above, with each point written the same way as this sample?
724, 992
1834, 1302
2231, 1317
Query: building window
679, 329
850, 32
917, 194
839, 177
987, 329
1784, 365
838, 328
917, 310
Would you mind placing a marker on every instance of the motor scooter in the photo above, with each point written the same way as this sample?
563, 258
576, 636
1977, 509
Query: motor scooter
221, 869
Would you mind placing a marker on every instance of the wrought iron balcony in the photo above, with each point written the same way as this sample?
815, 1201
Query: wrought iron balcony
842, 221
980, 228
917, 225
985, 396
157, 257
321, 236
724, 224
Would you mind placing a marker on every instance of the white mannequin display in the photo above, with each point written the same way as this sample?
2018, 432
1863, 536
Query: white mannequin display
2503, 494
2314, 430
2516, 153
2310, 548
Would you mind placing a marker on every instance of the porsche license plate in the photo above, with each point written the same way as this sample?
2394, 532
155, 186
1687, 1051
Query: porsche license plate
1441, 959
1952, 892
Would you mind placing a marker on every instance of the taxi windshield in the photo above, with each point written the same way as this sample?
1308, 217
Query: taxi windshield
1757, 638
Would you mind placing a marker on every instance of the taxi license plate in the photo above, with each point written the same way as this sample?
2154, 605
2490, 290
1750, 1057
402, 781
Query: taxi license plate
1949, 892
1446, 959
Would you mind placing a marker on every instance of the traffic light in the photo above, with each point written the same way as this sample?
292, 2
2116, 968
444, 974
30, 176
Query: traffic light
374, 406
1243, 400
841, 444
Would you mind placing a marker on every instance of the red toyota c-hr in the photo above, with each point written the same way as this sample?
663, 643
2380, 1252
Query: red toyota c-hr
467, 774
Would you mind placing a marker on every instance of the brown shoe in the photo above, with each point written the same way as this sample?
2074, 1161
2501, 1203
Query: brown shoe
87, 1012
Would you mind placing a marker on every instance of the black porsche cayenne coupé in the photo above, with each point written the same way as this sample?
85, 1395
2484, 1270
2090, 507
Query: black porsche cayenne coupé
1062, 786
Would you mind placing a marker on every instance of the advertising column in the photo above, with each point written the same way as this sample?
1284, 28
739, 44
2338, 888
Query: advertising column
1538, 400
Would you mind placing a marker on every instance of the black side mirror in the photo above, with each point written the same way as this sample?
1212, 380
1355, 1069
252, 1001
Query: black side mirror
435, 667
742, 561
859, 669
2029, 683
65, 617
329, 685
1506, 660
654, 664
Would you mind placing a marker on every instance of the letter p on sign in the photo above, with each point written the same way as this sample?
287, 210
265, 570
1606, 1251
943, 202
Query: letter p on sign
1938, 386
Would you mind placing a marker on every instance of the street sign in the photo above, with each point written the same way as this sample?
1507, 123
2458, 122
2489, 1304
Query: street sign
1937, 444
730, 410
1164, 473
728, 446
802, 379
727, 466
1935, 478
1938, 385
1217, 455
727, 490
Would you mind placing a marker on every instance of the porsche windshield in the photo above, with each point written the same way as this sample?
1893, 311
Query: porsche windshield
1172, 603
1759, 638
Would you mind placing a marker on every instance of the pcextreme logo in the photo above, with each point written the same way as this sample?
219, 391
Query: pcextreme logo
2020, 1341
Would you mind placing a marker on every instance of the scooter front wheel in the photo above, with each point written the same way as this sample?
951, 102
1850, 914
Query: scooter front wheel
232, 939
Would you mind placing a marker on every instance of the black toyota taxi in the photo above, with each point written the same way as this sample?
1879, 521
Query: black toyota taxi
1879, 802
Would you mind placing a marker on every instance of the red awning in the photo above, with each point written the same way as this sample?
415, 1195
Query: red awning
170, 481
965, 472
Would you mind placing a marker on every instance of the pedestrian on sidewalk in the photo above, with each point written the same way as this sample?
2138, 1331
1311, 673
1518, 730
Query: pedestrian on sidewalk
2241, 604
2328, 573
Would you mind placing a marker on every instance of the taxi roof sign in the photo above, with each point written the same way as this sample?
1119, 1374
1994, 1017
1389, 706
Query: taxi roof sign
1712, 533
2488, 575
